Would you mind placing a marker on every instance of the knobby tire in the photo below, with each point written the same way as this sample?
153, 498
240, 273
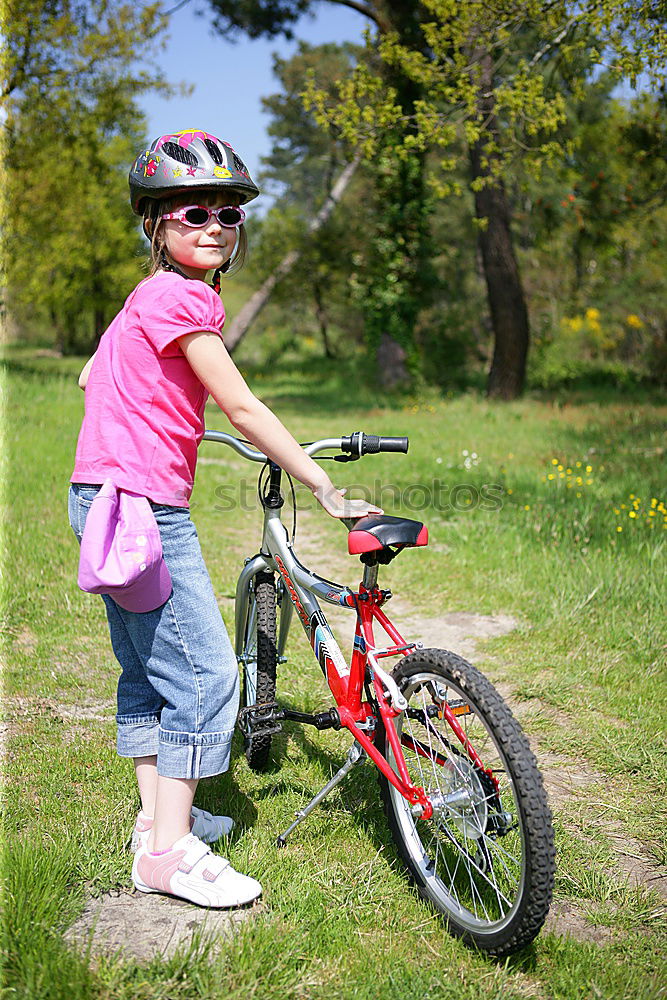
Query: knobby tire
262, 641
494, 889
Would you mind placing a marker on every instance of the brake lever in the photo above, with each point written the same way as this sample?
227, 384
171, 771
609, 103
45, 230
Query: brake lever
346, 458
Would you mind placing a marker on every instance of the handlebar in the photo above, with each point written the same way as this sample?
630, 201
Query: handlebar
355, 445
359, 444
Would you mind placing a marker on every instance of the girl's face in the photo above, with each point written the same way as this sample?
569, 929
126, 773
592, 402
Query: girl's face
197, 251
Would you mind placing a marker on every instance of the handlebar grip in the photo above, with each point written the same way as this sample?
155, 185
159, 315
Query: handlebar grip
370, 444
395, 444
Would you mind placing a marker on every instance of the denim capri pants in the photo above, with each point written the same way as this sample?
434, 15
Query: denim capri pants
178, 691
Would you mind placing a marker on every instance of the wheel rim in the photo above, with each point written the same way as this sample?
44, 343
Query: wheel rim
467, 868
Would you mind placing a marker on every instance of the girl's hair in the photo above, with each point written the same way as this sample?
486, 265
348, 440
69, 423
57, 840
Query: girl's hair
154, 226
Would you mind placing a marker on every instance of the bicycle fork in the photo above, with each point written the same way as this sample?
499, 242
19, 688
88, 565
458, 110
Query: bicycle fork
355, 755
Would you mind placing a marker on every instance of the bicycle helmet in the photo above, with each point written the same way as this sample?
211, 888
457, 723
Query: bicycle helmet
184, 161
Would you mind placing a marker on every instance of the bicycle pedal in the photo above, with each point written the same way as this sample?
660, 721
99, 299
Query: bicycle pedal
255, 721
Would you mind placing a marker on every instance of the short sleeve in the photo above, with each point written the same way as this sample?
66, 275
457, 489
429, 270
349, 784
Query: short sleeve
172, 307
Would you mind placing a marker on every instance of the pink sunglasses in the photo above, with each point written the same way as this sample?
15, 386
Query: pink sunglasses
198, 216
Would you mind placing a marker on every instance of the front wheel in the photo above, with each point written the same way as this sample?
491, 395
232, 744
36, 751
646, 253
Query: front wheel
259, 662
486, 857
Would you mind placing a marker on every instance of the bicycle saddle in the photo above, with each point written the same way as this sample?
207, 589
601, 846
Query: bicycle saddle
379, 531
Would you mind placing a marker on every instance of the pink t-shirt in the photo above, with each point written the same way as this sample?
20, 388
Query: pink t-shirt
144, 404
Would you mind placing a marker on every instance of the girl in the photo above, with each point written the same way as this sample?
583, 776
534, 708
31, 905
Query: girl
146, 388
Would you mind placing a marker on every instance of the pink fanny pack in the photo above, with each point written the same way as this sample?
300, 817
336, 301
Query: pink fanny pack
121, 551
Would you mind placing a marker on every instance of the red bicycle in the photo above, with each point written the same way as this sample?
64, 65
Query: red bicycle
463, 796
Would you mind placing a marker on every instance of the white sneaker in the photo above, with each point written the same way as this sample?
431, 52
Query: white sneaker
190, 870
203, 824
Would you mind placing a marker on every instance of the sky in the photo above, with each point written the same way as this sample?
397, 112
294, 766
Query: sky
230, 78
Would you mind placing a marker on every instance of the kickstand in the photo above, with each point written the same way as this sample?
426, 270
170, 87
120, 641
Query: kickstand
355, 755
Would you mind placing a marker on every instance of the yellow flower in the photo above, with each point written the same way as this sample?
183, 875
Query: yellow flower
616, 511
632, 496
560, 468
580, 481
634, 321
589, 482
569, 472
654, 502
619, 528
593, 314
589, 468
632, 513
510, 491
561, 475
578, 494
651, 513
527, 507
578, 464
622, 506
570, 485
551, 476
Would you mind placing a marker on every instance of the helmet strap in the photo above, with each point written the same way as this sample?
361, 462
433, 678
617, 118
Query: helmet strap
215, 285
166, 265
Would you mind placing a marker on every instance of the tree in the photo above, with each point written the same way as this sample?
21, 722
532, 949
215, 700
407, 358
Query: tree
72, 129
247, 315
399, 278
481, 75
310, 171
595, 227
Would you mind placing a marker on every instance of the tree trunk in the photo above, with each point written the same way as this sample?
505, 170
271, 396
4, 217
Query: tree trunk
321, 314
507, 304
241, 323
391, 358
99, 326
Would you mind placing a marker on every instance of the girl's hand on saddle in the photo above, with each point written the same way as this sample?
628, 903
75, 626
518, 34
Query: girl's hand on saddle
335, 503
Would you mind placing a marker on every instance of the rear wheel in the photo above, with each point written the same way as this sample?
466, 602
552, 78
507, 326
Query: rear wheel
259, 662
485, 859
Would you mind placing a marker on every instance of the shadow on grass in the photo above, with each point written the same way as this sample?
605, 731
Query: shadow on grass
41, 369
319, 385
342, 384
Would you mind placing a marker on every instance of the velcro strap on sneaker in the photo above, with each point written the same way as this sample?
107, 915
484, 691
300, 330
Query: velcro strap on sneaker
211, 867
196, 851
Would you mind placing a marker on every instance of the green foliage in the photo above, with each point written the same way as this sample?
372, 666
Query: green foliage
449, 70
72, 130
257, 18
304, 158
303, 165
595, 230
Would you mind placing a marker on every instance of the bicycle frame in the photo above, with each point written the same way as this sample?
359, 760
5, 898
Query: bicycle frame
304, 590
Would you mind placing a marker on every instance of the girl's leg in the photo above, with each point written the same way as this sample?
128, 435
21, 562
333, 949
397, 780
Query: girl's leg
187, 660
173, 803
145, 769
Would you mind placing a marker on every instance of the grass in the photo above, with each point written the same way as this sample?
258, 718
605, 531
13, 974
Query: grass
586, 669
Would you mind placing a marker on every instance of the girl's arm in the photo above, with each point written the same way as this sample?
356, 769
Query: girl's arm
209, 359
83, 377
